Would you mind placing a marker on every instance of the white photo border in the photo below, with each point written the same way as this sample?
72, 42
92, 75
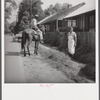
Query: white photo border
86, 91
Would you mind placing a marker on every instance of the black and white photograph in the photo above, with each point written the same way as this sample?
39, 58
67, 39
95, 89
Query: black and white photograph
50, 41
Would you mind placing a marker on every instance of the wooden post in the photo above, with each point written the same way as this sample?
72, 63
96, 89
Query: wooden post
83, 24
71, 22
30, 10
56, 25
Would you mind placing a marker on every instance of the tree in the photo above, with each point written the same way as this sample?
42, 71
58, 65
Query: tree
50, 10
37, 9
32, 7
66, 6
27, 8
56, 8
9, 5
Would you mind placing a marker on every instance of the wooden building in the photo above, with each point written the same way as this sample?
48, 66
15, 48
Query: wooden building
53, 22
83, 22
81, 17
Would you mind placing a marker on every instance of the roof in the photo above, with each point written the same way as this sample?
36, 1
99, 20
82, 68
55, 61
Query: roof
60, 15
90, 6
45, 19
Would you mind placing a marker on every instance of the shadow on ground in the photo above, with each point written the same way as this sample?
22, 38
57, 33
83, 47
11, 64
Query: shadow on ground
13, 53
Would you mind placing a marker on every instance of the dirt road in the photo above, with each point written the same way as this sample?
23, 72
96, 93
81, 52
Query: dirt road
49, 66
52, 66
39, 71
14, 72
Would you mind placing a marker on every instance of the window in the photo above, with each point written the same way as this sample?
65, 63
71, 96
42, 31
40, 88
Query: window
92, 21
74, 23
60, 24
47, 28
69, 23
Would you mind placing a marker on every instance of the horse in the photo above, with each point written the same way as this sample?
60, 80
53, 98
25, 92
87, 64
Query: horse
29, 35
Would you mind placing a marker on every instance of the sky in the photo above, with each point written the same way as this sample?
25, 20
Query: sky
47, 3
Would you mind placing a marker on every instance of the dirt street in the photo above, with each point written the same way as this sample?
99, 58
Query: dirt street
39, 71
14, 72
52, 66
49, 66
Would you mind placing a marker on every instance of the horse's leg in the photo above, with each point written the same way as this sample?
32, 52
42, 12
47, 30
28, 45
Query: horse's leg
30, 41
24, 51
28, 50
26, 46
36, 47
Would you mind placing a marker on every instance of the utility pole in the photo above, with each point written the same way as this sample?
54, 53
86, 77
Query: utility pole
30, 10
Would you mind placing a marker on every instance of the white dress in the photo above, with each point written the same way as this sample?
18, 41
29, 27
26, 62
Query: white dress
71, 43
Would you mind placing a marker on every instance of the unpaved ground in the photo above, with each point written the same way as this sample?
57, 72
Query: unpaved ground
39, 71
51, 66
14, 72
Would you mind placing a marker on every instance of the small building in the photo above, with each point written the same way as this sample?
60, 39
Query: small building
81, 17
53, 23
83, 22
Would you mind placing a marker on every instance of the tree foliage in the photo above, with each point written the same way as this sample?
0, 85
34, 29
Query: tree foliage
56, 8
9, 6
28, 8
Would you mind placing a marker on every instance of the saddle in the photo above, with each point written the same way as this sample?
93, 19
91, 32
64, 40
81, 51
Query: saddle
36, 34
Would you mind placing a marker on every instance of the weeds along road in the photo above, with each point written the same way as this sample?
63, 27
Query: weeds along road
49, 66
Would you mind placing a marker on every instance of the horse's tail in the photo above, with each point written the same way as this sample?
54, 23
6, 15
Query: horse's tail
23, 42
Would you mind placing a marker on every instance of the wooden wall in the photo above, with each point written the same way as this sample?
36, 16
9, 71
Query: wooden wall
83, 39
86, 39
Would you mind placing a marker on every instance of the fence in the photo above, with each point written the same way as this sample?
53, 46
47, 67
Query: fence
83, 39
86, 39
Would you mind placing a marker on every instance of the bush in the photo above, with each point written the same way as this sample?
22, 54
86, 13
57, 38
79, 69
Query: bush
85, 55
89, 71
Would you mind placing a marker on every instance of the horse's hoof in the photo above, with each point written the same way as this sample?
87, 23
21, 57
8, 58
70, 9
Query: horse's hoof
34, 51
24, 55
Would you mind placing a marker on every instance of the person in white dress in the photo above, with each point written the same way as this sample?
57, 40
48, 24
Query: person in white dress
72, 41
